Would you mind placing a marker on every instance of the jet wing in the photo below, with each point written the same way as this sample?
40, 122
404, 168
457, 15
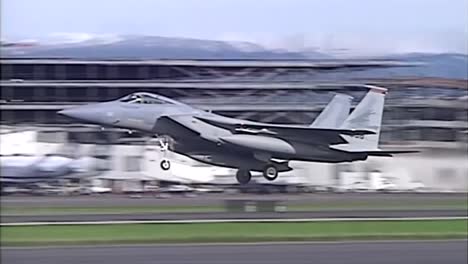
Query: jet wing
301, 133
279, 129
180, 125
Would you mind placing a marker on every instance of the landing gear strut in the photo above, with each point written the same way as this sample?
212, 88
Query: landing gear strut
243, 176
270, 172
165, 145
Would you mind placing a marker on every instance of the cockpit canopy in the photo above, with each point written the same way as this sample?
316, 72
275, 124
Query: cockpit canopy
146, 98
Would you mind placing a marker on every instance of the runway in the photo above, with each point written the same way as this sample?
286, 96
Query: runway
352, 203
383, 252
210, 199
229, 215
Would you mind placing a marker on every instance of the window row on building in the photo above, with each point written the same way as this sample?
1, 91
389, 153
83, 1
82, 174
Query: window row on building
88, 72
145, 71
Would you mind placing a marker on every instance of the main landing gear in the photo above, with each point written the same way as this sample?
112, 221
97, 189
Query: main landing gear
243, 176
270, 172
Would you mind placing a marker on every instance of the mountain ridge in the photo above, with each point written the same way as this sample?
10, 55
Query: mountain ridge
444, 65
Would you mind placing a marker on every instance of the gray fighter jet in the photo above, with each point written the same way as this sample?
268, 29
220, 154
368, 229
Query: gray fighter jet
246, 145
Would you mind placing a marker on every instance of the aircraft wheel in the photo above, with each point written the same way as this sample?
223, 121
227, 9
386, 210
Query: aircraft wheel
270, 172
243, 176
165, 164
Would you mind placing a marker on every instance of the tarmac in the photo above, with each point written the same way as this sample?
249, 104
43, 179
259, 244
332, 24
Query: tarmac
209, 199
317, 199
233, 215
371, 252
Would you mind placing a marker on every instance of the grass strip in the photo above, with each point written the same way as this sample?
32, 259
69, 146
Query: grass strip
231, 232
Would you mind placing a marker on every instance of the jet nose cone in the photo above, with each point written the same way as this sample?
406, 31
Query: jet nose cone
71, 112
85, 113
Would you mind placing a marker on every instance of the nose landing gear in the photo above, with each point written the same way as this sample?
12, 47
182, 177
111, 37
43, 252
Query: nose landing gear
165, 145
165, 164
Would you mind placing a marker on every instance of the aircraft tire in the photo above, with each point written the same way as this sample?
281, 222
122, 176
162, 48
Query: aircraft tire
270, 172
165, 164
243, 176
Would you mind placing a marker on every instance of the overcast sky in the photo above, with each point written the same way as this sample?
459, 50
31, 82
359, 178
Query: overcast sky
365, 26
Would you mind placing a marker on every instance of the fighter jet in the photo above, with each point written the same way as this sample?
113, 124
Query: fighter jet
247, 145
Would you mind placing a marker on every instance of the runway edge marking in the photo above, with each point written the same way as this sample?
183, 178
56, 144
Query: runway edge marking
204, 221
223, 244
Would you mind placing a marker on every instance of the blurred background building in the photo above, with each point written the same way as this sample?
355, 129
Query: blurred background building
421, 112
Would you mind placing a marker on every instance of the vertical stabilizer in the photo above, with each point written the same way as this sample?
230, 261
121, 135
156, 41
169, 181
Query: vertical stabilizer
367, 116
335, 113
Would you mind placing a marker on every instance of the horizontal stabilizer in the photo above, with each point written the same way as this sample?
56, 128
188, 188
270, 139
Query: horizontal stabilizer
390, 153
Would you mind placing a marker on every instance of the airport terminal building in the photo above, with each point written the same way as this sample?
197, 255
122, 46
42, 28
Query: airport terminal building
424, 113
32, 90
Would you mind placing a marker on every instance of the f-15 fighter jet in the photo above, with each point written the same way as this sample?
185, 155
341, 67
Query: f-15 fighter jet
335, 136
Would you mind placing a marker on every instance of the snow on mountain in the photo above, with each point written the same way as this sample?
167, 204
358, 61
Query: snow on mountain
84, 45
109, 46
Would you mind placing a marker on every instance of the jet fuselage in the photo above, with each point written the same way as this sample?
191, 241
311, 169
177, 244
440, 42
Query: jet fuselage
215, 145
